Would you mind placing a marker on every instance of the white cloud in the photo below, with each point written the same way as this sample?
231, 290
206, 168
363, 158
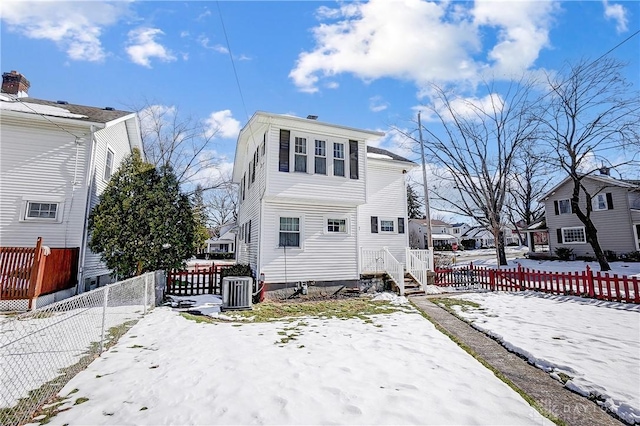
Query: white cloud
222, 124
422, 41
618, 13
470, 108
523, 31
75, 27
204, 42
142, 47
377, 104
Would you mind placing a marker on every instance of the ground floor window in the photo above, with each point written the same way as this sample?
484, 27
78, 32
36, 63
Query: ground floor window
289, 235
574, 235
386, 225
337, 226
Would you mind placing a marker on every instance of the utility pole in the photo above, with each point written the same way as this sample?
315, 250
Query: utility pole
426, 188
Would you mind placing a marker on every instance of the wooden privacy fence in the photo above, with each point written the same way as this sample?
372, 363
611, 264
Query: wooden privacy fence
28, 272
200, 279
597, 285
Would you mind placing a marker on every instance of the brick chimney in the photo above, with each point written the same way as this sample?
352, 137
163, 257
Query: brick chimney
15, 83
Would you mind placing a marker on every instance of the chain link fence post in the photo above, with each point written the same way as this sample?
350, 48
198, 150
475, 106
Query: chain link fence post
105, 303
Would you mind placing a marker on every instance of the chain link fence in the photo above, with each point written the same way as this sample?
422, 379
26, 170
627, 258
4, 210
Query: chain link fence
41, 350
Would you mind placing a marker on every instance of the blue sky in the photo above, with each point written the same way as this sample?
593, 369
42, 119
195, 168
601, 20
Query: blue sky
357, 64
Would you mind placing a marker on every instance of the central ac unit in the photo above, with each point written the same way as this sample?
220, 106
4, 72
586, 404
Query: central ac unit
236, 292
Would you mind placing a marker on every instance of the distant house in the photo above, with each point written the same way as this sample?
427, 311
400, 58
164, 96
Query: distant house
55, 160
615, 213
226, 242
441, 233
313, 196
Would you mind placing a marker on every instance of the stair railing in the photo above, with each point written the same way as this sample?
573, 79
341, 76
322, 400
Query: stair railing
394, 269
417, 267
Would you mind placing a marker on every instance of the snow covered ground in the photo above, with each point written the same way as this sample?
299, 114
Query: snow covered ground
391, 369
595, 343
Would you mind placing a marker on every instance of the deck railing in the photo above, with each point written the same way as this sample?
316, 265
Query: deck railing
417, 265
382, 261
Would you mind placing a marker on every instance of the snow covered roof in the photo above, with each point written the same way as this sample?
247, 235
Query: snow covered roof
60, 109
442, 237
379, 153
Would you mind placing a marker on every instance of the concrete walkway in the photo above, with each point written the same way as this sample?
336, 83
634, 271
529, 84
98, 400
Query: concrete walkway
547, 392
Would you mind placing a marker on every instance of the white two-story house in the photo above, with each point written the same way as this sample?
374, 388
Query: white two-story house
312, 197
56, 158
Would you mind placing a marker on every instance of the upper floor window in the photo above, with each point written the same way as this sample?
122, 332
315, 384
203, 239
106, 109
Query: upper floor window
321, 157
602, 202
300, 159
338, 159
563, 206
353, 159
108, 167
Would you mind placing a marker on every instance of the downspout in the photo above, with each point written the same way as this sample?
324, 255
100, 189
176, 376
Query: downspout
87, 209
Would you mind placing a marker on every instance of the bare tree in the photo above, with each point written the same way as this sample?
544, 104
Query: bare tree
476, 151
528, 183
183, 142
592, 115
222, 204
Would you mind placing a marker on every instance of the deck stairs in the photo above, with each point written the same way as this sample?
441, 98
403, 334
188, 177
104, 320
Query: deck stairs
411, 286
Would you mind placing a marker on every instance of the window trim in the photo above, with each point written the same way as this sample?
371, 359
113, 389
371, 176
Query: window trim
387, 219
570, 228
334, 158
559, 209
106, 163
27, 200
300, 218
325, 224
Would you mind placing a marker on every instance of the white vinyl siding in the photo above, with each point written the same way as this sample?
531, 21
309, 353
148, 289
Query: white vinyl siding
320, 188
38, 164
322, 256
386, 200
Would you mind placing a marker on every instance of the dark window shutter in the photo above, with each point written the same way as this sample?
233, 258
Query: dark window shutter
401, 225
249, 233
555, 207
353, 159
284, 150
374, 224
609, 201
559, 231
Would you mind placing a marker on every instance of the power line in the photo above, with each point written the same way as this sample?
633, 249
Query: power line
46, 118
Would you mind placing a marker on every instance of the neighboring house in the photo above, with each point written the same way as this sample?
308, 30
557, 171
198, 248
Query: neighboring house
477, 237
312, 196
55, 160
441, 233
458, 230
226, 242
616, 215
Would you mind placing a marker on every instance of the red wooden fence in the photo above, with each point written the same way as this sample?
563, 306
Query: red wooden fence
199, 279
28, 272
598, 285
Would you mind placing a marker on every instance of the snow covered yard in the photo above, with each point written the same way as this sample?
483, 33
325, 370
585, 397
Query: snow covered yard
388, 368
592, 345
